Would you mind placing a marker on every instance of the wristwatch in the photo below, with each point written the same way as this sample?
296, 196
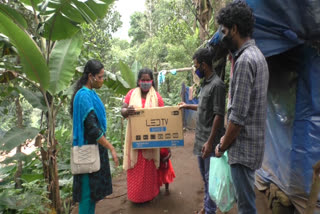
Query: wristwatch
219, 148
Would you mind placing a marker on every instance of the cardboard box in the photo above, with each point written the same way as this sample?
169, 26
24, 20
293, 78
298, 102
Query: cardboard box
157, 127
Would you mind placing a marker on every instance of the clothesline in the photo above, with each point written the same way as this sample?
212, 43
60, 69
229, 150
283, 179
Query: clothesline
161, 74
177, 70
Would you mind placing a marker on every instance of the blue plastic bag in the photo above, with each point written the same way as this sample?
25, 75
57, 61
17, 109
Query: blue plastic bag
221, 188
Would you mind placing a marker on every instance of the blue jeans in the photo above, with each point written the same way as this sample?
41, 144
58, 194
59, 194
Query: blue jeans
86, 205
243, 180
204, 165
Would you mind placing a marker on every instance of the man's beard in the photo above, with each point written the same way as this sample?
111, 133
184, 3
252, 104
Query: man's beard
228, 43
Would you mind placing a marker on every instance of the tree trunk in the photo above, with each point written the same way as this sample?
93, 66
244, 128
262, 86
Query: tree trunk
217, 5
44, 158
53, 188
49, 157
17, 176
204, 13
155, 77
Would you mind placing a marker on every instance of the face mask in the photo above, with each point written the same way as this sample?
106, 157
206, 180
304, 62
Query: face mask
145, 85
199, 73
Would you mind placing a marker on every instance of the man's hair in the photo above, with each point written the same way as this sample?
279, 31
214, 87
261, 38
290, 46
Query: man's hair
203, 55
237, 13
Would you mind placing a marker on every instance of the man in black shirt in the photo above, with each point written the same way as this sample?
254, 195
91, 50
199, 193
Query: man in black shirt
210, 114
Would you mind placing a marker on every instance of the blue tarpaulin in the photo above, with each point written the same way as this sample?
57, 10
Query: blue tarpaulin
281, 25
293, 116
189, 119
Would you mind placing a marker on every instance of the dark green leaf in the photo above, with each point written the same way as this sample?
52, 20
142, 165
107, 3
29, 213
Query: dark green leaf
59, 27
65, 16
117, 85
13, 15
7, 169
36, 99
127, 74
29, 2
8, 201
63, 166
135, 67
69, 90
72, 13
63, 60
87, 13
16, 136
31, 177
100, 8
34, 65
17, 156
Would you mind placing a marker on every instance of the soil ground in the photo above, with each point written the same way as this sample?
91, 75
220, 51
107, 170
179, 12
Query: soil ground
186, 192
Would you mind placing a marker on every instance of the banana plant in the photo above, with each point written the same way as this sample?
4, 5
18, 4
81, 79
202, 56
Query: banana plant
126, 80
48, 59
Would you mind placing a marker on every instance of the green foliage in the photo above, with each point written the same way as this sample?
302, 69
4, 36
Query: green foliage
8, 118
116, 83
63, 60
120, 50
152, 52
31, 2
31, 199
127, 74
170, 90
34, 98
121, 84
136, 66
163, 39
32, 60
65, 16
17, 136
16, 157
14, 15
98, 40
138, 28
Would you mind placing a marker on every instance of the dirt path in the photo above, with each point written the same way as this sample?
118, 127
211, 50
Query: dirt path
186, 192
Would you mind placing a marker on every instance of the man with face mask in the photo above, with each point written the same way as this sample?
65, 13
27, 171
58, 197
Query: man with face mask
210, 114
244, 137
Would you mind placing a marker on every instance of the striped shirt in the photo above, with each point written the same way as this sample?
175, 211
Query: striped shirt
248, 105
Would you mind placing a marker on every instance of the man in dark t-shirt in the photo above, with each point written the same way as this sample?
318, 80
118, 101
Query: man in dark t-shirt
210, 114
